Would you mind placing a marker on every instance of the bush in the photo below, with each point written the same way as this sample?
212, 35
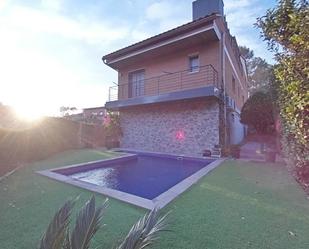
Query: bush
88, 221
113, 130
258, 112
286, 29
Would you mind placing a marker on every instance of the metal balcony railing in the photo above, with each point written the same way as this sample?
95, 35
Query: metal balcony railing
168, 82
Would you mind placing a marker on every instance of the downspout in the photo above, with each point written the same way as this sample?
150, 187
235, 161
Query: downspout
222, 110
224, 90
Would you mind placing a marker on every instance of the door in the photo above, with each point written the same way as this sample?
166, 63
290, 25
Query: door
136, 83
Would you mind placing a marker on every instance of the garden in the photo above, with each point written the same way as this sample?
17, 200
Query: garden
239, 205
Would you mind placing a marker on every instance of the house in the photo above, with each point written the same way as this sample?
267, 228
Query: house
94, 115
77, 117
181, 91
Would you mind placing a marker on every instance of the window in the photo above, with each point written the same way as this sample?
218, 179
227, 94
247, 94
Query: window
136, 83
194, 63
233, 84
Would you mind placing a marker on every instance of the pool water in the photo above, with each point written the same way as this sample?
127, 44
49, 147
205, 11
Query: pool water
146, 176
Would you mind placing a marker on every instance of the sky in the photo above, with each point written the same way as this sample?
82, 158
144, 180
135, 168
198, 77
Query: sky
51, 50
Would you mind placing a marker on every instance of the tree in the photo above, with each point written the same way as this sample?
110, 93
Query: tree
64, 110
246, 52
113, 129
258, 112
259, 71
67, 110
88, 222
286, 30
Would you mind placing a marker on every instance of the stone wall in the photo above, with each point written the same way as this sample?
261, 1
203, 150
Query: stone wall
186, 127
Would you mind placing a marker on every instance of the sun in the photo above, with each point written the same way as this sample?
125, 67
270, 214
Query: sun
28, 113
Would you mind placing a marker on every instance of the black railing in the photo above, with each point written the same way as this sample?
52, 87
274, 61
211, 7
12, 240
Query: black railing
168, 82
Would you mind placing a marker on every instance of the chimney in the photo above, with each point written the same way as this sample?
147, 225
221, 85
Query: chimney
202, 8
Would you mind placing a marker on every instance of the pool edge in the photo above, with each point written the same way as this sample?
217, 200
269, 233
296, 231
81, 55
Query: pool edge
159, 202
168, 196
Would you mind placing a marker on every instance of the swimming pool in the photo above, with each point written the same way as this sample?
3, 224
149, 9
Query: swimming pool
143, 179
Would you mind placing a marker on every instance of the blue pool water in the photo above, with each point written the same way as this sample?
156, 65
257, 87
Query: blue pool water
146, 176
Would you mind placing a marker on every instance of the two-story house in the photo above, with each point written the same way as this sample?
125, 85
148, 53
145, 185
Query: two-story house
181, 91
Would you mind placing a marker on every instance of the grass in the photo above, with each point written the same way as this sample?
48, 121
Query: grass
238, 205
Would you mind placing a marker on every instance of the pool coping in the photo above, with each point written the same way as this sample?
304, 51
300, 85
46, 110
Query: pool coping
159, 202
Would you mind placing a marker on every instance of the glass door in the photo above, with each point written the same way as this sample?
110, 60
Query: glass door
136, 83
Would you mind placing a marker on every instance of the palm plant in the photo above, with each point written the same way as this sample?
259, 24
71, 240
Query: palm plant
88, 222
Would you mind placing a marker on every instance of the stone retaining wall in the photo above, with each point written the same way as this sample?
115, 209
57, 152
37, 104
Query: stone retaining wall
186, 127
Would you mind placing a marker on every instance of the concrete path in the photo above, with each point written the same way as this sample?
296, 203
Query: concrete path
251, 151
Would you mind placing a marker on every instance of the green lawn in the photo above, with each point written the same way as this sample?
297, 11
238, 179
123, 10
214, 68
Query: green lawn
238, 205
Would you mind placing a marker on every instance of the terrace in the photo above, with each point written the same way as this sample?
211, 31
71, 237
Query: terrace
170, 86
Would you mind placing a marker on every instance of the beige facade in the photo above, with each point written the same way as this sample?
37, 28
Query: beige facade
200, 55
167, 69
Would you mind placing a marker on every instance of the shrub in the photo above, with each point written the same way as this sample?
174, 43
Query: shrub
286, 29
88, 222
258, 112
113, 130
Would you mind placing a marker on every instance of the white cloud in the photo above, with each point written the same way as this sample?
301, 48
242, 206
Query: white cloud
31, 79
241, 16
25, 19
236, 4
3, 4
160, 10
168, 15
33, 75
55, 5
243, 19
139, 35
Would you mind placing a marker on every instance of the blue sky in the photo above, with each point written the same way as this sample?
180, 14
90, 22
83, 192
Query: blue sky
51, 50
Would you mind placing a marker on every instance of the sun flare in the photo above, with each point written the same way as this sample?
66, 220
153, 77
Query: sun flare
29, 114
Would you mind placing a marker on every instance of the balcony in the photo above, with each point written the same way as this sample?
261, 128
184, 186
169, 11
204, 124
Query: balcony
198, 82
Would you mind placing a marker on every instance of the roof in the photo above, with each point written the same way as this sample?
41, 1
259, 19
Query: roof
94, 108
165, 35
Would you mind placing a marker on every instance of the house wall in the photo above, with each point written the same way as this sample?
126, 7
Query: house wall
237, 129
240, 95
186, 127
94, 112
233, 68
170, 63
